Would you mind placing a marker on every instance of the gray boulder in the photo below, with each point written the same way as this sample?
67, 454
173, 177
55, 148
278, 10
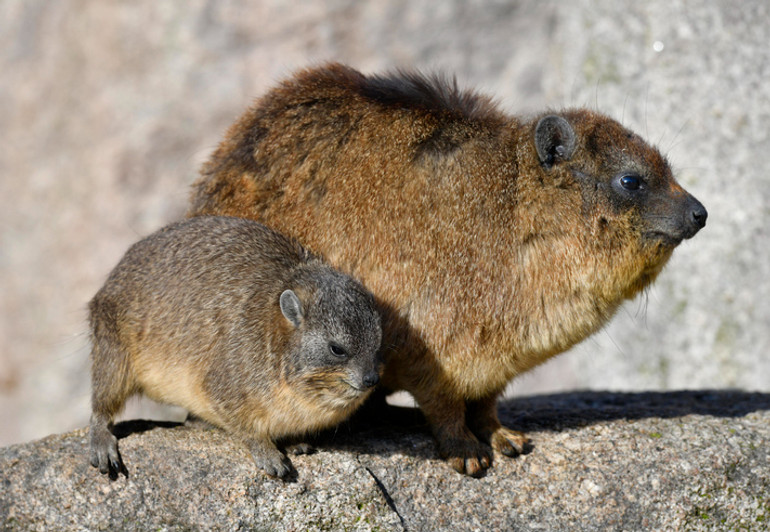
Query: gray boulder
600, 461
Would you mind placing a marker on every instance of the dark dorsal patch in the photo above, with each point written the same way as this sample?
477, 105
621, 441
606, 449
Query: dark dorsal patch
456, 115
436, 94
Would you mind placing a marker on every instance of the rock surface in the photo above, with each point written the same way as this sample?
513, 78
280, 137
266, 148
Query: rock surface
601, 461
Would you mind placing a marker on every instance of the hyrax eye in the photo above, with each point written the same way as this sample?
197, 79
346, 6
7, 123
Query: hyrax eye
631, 182
337, 351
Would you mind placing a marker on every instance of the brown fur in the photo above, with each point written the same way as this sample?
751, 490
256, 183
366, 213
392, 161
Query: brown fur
193, 316
493, 243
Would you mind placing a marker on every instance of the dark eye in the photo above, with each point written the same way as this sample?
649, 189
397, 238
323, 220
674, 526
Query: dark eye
337, 350
630, 182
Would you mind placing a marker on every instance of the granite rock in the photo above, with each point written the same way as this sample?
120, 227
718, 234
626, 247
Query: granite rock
600, 461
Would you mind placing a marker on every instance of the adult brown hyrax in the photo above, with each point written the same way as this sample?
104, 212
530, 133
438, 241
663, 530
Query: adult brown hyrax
239, 325
493, 242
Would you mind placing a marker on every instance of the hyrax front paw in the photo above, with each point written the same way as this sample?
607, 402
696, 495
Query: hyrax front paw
270, 460
104, 452
466, 454
509, 442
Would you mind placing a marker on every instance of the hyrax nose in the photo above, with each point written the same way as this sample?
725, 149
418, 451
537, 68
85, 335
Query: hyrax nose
695, 217
371, 379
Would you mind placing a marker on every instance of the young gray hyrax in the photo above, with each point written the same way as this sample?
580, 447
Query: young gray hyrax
492, 241
239, 325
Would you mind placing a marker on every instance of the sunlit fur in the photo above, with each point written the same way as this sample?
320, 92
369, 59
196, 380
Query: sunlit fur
485, 260
191, 317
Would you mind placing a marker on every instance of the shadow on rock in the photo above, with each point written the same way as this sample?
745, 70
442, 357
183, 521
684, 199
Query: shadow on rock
383, 429
390, 429
137, 426
578, 409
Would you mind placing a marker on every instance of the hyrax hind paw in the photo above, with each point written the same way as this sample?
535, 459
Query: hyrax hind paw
300, 448
509, 442
104, 452
467, 455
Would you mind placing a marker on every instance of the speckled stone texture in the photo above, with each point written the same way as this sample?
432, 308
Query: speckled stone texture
601, 461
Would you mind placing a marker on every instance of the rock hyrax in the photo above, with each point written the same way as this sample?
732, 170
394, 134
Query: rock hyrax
492, 241
239, 325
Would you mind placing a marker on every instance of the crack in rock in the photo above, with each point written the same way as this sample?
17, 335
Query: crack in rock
388, 499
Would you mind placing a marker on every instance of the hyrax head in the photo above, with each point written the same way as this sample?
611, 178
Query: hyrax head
337, 335
630, 203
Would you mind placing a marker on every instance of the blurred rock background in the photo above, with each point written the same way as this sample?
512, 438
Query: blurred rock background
108, 108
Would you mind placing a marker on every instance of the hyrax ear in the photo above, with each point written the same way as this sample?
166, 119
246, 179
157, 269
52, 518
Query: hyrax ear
554, 140
291, 307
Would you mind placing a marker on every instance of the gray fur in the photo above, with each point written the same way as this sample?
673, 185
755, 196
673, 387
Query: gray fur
234, 322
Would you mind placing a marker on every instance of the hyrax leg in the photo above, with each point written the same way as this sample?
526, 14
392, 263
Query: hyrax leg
456, 443
481, 416
268, 458
111, 385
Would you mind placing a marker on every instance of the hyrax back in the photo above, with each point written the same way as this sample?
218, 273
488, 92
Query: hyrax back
239, 325
494, 242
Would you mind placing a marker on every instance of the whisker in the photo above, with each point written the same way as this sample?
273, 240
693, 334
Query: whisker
679, 132
623, 113
646, 102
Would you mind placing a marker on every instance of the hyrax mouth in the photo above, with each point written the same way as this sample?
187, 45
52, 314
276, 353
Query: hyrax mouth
663, 239
335, 388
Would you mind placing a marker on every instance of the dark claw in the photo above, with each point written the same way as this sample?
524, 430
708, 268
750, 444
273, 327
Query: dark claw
105, 455
117, 467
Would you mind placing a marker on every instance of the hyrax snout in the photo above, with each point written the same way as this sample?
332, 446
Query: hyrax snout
239, 325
